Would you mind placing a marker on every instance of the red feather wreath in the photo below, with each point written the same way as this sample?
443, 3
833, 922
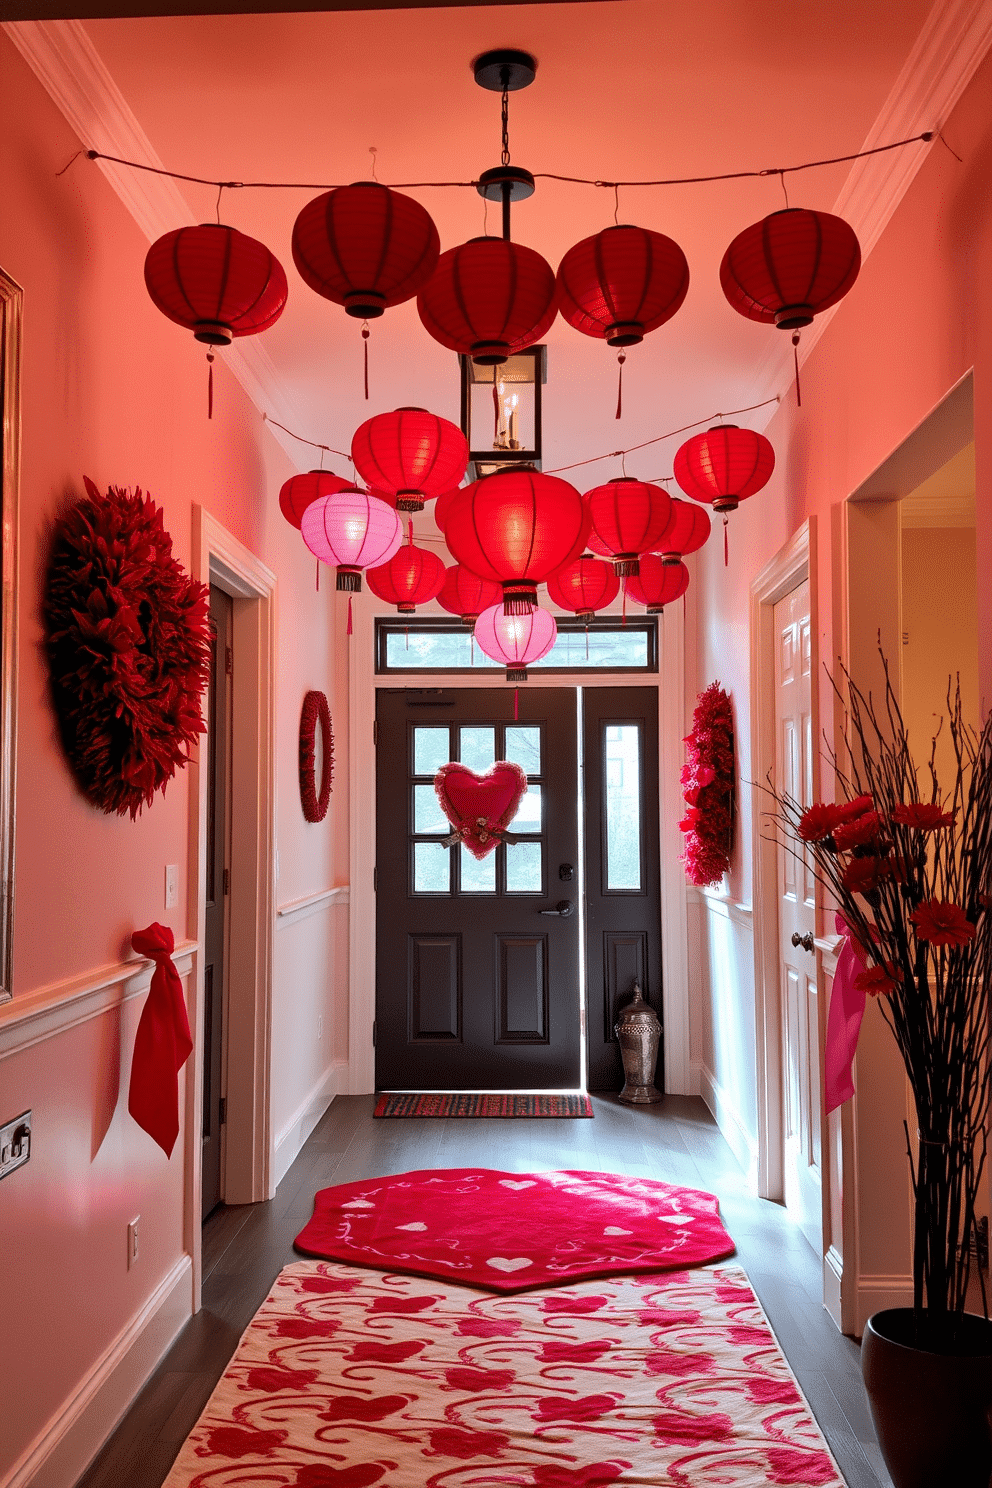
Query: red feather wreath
708, 788
315, 710
128, 648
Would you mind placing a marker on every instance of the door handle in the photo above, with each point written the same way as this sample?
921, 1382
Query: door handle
806, 941
564, 907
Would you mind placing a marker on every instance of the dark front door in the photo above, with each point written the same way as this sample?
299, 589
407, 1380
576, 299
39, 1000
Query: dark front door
218, 777
477, 982
622, 889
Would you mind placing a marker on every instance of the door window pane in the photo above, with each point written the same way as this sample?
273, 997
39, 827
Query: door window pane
478, 878
523, 868
523, 747
622, 796
478, 748
431, 868
427, 813
431, 750
528, 817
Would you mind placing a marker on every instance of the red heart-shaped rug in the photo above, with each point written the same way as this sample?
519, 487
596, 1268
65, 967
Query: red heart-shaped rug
480, 807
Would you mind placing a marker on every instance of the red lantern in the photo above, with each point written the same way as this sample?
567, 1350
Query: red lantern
724, 465
441, 507
411, 454
365, 247
516, 527
657, 584
790, 266
516, 640
216, 282
489, 299
687, 530
584, 586
622, 283
466, 595
412, 576
352, 530
627, 517
298, 492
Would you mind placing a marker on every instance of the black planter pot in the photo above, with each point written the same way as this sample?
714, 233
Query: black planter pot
932, 1411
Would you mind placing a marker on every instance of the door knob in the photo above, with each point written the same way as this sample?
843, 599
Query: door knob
564, 907
806, 941
566, 872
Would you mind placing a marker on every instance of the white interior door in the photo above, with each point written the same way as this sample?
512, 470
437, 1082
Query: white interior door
797, 923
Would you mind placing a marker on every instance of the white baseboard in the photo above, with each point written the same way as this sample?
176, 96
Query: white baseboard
290, 1140
875, 1293
63, 1450
833, 1276
741, 1142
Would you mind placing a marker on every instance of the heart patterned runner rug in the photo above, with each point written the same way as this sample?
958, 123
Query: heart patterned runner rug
508, 1232
360, 1379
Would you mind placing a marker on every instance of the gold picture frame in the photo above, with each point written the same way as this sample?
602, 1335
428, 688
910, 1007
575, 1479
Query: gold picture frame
11, 297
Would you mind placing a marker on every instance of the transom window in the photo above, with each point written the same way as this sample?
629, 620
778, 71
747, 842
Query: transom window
434, 644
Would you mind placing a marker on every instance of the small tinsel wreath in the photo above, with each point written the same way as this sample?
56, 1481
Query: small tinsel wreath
126, 632
708, 788
315, 709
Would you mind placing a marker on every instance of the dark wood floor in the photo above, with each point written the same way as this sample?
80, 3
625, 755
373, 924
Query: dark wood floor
677, 1141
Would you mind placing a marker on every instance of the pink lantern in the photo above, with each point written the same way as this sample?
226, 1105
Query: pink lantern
351, 530
516, 641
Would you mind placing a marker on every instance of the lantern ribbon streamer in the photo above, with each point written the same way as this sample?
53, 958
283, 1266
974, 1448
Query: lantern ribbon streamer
486, 830
847, 1008
162, 1043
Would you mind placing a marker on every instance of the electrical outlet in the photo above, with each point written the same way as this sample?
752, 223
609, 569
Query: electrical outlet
320, 1026
132, 1241
171, 885
15, 1143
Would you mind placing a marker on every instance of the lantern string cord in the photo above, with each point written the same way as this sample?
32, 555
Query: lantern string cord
785, 189
671, 434
268, 419
940, 136
742, 175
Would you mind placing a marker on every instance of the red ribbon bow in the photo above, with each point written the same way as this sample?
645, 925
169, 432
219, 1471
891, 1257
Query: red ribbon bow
162, 1043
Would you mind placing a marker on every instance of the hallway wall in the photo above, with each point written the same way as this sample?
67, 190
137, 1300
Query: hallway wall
114, 391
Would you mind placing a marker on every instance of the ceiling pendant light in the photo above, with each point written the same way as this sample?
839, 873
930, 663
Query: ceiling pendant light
790, 266
491, 298
217, 282
724, 465
466, 595
516, 527
584, 586
299, 491
365, 247
657, 584
412, 577
688, 528
411, 454
516, 641
627, 519
351, 530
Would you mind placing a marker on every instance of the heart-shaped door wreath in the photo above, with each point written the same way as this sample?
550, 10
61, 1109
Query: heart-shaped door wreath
480, 807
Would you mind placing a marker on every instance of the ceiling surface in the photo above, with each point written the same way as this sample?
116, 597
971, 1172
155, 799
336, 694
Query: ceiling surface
628, 89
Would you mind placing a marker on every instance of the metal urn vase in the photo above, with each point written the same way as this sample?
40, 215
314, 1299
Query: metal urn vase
639, 1030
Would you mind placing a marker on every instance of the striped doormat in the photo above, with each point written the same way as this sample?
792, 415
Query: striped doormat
413, 1104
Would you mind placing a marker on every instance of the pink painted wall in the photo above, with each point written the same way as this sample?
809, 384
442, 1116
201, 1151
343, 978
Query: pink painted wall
919, 317
113, 390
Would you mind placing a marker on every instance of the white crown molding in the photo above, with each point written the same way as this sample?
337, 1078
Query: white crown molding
950, 48
67, 64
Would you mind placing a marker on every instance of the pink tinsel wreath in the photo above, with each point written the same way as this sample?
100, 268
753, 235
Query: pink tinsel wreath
128, 645
708, 788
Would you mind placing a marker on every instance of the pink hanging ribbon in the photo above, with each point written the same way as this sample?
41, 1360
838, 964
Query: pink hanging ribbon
847, 1008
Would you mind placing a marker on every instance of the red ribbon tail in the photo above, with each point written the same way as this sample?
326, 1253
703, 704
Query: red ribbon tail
350, 625
726, 545
210, 386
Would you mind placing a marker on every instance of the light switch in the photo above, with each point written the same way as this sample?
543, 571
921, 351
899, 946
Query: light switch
171, 885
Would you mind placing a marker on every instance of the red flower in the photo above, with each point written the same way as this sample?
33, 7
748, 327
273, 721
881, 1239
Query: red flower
924, 816
858, 831
819, 820
863, 875
850, 809
942, 923
879, 979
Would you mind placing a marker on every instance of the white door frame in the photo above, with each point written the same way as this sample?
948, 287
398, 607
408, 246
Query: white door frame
248, 1162
680, 1078
790, 566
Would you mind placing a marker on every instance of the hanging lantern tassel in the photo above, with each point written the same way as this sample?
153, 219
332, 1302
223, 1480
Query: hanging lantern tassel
350, 625
318, 575
623, 610
795, 358
365, 345
495, 414
516, 704
621, 358
210, 384
726, 545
